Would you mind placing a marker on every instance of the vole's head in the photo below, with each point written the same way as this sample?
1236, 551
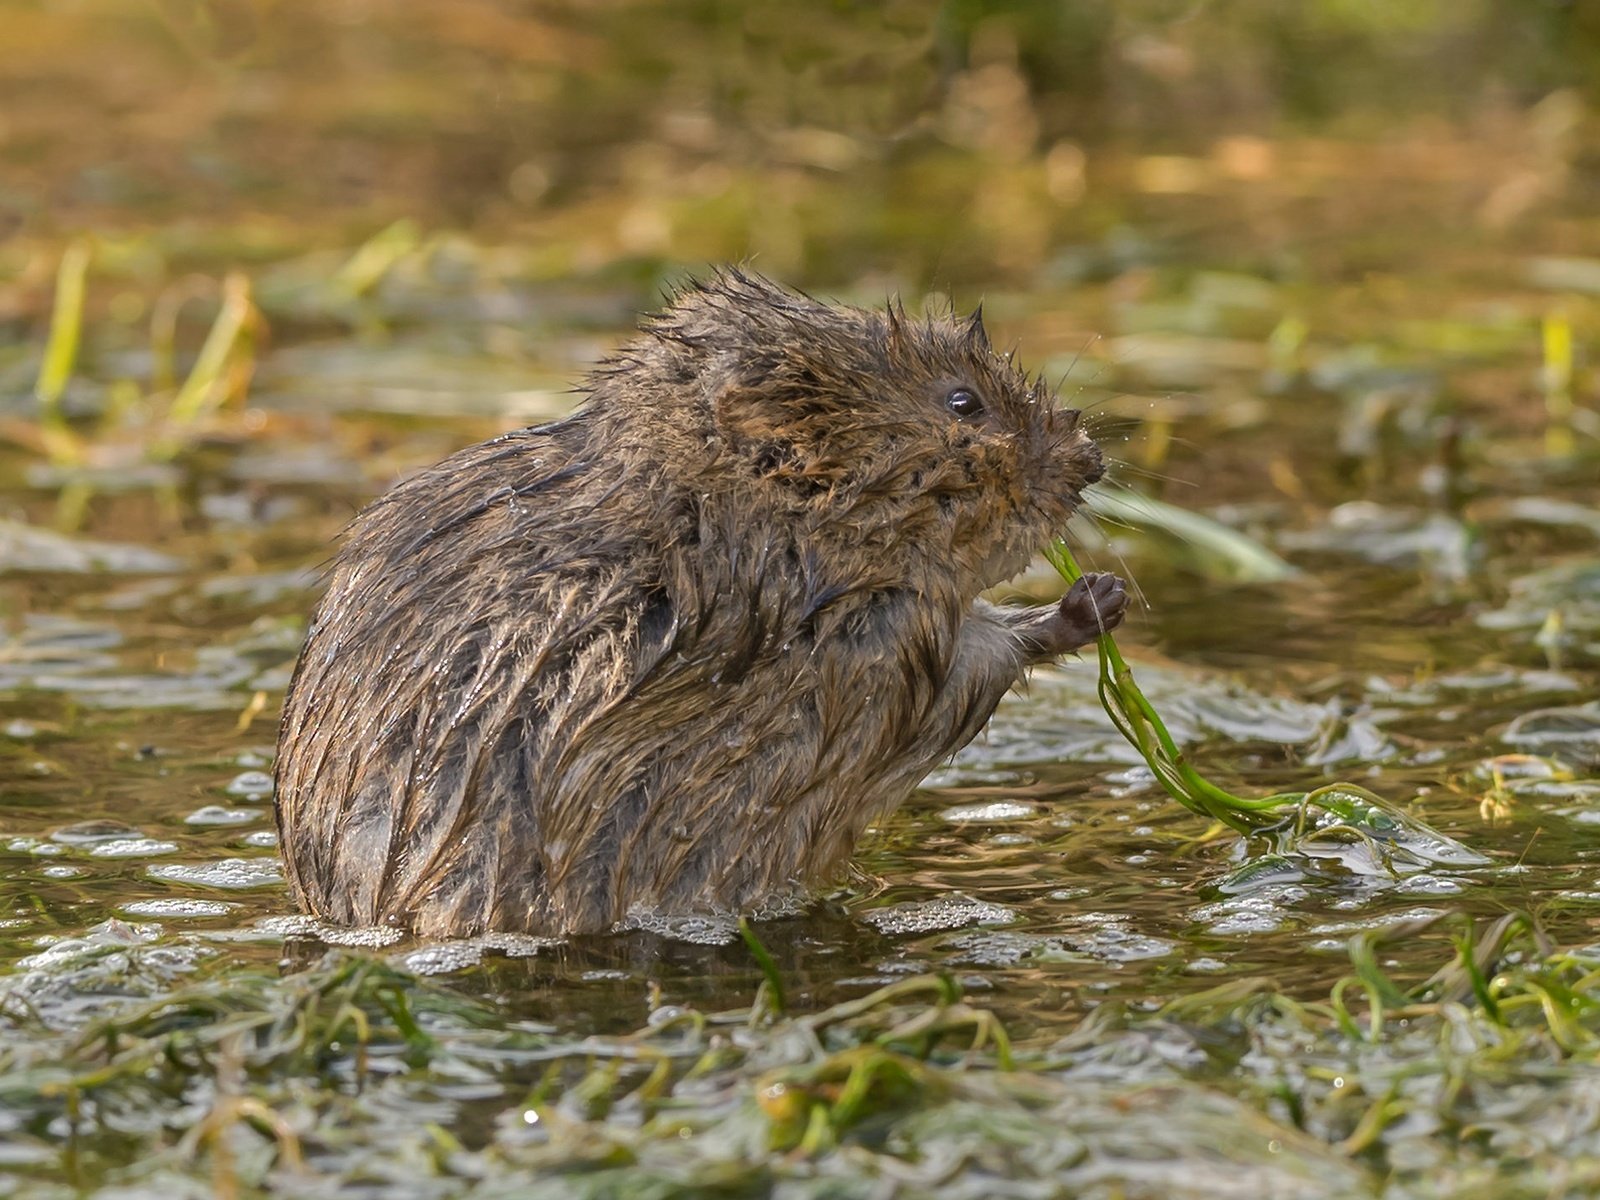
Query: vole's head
910, 436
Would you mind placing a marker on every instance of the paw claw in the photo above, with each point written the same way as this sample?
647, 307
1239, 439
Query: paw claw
1096, 603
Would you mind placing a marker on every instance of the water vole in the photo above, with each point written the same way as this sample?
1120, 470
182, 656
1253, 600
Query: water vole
678, 650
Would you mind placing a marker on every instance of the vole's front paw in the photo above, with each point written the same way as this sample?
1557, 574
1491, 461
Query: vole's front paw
1094, 605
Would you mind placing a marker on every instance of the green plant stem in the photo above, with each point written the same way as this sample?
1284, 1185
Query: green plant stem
61, 354
1358, 811
769, 968
202, 390
66, 327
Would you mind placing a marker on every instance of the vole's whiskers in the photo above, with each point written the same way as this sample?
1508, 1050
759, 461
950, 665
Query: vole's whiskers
1073, 365
1118, 468
1101, 426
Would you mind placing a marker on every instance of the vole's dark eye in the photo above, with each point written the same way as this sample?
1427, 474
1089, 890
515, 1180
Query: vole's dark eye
964, 402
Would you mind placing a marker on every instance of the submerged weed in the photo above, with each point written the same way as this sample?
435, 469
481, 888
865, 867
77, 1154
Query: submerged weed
257, 1084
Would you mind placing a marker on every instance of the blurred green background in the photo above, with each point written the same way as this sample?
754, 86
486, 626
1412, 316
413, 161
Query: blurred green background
922, 142
490, 191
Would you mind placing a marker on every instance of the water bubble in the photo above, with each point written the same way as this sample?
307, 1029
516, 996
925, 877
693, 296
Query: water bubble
1431, 885
85, 833
231, 873
177, 907
140, 847
944, 912
706, 929
215, 814
255, 785
32, 845
996, 810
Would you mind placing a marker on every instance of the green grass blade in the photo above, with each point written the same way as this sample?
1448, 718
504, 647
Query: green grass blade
66, 329
1214, 547
204, 389
776, 999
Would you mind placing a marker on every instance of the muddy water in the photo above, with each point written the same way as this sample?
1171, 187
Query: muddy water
146, 654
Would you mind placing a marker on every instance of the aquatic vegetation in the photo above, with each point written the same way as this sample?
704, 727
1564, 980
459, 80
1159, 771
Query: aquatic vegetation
1213, 547
1292, 818
133, 427
167, 419
252, 1084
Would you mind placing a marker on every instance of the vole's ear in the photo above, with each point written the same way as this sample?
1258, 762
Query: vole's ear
743, 416
783, 442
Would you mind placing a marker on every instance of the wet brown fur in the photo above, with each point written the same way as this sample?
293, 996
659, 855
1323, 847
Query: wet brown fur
678, 650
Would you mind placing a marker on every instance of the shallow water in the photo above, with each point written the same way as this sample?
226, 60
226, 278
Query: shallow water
1343, 341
